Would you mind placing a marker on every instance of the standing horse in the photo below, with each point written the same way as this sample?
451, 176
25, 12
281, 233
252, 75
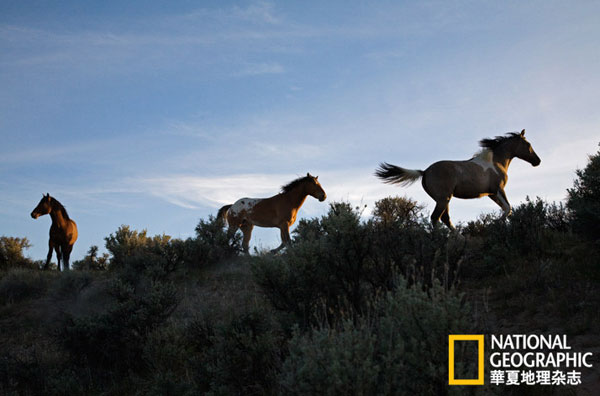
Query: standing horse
484, 174
63, 231
277, 211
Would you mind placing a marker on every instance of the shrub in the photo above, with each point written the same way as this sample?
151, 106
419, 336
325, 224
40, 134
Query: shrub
20, 376
329, 271
158, 256
113, 340
11, 253
166, 357
137, 256
92, 262
213, 243
126, 243
238, 356
584, 199
70, 284
338, 263
534, 231
21, 284
399, 348
400, 211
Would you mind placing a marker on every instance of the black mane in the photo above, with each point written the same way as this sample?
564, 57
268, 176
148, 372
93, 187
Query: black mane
492, 144
294, 183
61, 208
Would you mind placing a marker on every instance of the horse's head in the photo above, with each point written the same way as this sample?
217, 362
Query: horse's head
524, 151
43, 208
314, 188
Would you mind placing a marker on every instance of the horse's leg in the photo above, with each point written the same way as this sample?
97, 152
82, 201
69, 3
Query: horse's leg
285, 238
247, 231
285, 235
446, 217
231, 230
66, 255
504, 200
49, 256
500, 199
441, 206
58, 256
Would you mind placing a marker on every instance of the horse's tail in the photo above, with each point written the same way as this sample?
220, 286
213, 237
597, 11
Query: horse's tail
222, 212
393, 174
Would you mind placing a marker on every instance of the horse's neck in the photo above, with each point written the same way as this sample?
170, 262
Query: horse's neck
502, 159
297, 196
58, 218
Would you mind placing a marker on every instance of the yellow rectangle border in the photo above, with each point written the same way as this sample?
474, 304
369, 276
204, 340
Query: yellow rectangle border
480, 367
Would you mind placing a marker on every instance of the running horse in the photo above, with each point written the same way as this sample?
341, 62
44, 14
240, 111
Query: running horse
483, 175
63, 231
277, 211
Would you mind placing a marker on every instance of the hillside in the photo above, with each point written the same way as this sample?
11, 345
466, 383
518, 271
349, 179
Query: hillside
351, 307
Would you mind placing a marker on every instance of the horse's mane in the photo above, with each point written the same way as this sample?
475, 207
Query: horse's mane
493, 144
294, 183
60, 207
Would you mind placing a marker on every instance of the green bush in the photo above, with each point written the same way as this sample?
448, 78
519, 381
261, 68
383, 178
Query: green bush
21, 284
158, 256
126, 243
92, 262
70, 284
397, 211
584, 199
535, 231
338, 263
137, 256
19, 376
399, 348
11, 253
327, 272
240, 356
112, 341
213, 243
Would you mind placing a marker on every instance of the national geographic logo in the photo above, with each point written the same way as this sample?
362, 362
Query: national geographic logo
522, 359
480, 358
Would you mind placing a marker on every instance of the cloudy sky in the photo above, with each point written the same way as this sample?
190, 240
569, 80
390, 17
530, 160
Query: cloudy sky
155, 114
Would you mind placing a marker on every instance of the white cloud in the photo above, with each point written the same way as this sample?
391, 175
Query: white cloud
190, 191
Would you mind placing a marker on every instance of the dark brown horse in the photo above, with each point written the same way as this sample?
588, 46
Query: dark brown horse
277, 211
63, 231
484, 174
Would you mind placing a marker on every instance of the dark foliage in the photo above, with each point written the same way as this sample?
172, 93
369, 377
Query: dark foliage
239, 356
111, 342
399, 348
11, 253
584, 199
338, 264
213, 243
91, 261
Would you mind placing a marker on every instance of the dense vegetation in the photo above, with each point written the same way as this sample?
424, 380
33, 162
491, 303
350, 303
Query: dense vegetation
356, 305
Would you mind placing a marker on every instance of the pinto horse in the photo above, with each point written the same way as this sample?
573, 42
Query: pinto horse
277, 211
63, 231
484, 174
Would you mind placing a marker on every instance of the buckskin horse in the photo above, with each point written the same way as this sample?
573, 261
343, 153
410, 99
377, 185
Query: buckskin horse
483, 175
277, 211
63, 231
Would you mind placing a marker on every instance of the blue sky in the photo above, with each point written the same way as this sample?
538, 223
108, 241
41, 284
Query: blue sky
155, 114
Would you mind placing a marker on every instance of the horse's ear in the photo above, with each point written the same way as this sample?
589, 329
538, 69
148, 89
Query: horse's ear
523, 133
307, 174
316, 177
